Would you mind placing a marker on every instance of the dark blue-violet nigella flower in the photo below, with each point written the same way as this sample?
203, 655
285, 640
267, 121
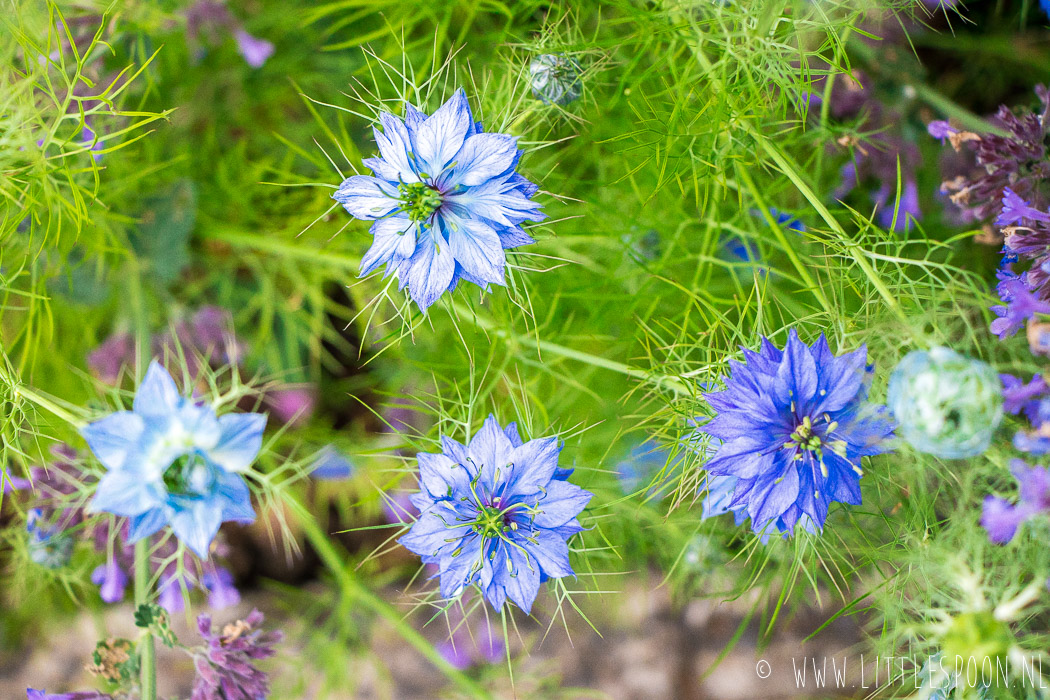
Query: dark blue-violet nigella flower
172, 461
1002, 518
226, 664
794, 425
496, 513
445, 198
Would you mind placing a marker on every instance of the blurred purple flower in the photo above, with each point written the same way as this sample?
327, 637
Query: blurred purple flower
291, 405
108, 359
1001, 518
254, 50
1017, 395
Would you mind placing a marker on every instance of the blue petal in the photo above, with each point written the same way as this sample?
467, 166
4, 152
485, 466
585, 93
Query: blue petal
114, 437
551, 553
477, 247
796, 378
484, 157
236, 498
439, 138
719, 495
772, 500
535, 463
240, 440
563, 502
366, 197
157, 395
125, 493
197, 526
393, 238
441, 477
146, 524
395, 145
490, 451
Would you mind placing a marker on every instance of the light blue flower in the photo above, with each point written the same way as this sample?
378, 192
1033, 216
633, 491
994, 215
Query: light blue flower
445, 198
496, 513
172, 461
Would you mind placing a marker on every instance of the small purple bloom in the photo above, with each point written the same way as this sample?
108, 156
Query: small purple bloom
1016, 209
222, 593
941, 129
1001, 518
1021, 304
291, 405
254, 50
1017, 395
111, 580
114, 354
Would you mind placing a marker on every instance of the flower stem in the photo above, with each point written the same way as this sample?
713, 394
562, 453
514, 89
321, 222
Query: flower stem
147, 651
353, 589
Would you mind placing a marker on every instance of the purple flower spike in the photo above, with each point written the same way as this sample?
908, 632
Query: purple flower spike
225, 665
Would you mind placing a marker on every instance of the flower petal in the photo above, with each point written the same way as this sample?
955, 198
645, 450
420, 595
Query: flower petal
476, 247
484, 157
112, 438
439, 138
240, 440
366, 197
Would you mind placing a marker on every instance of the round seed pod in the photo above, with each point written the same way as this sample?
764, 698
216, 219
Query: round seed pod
555, 78
945, 404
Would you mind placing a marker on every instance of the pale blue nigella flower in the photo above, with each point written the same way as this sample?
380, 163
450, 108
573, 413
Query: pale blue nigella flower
794, 425
496, 513
445, 198
172, 461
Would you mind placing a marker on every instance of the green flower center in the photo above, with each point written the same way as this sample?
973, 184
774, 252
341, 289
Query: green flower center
804, 438
189, 475
419, 200
493, 521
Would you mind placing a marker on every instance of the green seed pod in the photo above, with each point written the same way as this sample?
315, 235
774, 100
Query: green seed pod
945, 404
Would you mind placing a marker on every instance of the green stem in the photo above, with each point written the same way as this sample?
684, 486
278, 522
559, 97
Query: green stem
353, 589
147, 650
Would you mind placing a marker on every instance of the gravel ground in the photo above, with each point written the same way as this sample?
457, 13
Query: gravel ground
648, 649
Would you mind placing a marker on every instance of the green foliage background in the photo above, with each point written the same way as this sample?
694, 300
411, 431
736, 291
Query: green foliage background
214, 187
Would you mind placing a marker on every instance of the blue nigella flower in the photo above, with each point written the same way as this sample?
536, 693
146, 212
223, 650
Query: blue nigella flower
445, 198
172, 461
794, 425
496, 513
